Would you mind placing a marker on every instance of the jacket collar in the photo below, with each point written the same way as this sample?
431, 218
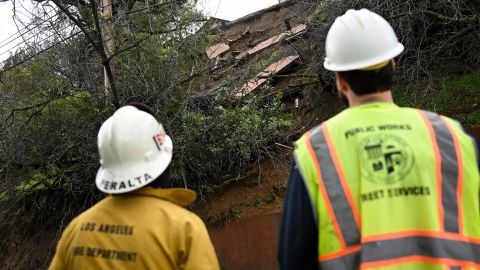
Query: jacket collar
179, 196
375, 104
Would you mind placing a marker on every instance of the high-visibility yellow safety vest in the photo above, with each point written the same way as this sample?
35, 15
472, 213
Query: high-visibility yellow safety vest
392, 188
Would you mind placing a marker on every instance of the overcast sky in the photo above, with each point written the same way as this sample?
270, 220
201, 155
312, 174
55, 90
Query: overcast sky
8, 27
232, 9
223, 9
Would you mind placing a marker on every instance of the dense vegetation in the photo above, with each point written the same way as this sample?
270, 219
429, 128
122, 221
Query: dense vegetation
52, 105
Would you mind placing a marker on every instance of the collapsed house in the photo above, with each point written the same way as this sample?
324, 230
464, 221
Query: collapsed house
265, 54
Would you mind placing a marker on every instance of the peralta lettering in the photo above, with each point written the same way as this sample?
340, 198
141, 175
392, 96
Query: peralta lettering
129, 183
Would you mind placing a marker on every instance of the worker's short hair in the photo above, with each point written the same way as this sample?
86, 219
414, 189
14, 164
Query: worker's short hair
142, 107
367, 82
164, 180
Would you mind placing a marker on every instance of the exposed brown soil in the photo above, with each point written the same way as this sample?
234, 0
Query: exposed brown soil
262, 192
32, 252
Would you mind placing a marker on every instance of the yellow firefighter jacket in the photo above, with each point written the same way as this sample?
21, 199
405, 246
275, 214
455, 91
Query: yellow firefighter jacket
144, 229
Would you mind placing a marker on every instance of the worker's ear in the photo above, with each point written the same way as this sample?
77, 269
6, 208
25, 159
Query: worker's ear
342, 85
394, 65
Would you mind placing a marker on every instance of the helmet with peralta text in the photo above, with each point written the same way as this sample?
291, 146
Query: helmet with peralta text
360, 39
134, 150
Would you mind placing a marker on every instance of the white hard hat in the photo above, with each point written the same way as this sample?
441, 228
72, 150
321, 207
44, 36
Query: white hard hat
360, 39
134, 151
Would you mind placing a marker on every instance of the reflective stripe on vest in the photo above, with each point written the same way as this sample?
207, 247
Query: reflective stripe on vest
409, 247
449, 171
333, 185
428, 247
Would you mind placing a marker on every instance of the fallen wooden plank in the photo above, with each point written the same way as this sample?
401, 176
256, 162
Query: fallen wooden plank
261, 78
216, 50
267, 43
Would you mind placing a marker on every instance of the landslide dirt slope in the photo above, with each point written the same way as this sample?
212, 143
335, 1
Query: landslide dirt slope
262, 191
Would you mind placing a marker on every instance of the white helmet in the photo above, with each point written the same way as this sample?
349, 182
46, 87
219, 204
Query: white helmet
360, 39
134, 151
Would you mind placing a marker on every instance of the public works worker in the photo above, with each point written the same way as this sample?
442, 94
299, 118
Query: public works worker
142, 225
379, 186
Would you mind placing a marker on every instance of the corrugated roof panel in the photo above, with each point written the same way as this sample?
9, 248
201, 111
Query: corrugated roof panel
267, 43
216, 50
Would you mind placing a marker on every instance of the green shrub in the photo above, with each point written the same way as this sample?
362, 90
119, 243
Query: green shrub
224, 140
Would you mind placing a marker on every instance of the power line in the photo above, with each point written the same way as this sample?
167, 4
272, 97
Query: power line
39, 52
22, 34
152, 6
218, 7
25, 41
57, 14
19, 32
16, 33
74, 34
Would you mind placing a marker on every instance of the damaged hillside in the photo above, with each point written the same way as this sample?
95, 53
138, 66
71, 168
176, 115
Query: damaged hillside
233, 95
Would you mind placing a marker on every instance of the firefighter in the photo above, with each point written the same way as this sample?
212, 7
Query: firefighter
379, 186
142, 224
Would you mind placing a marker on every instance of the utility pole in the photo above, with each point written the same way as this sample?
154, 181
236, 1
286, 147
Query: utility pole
108, 37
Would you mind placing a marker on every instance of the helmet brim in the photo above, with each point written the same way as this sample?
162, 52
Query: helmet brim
359, 65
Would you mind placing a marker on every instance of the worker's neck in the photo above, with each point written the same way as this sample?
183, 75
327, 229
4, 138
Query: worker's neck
354, 100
